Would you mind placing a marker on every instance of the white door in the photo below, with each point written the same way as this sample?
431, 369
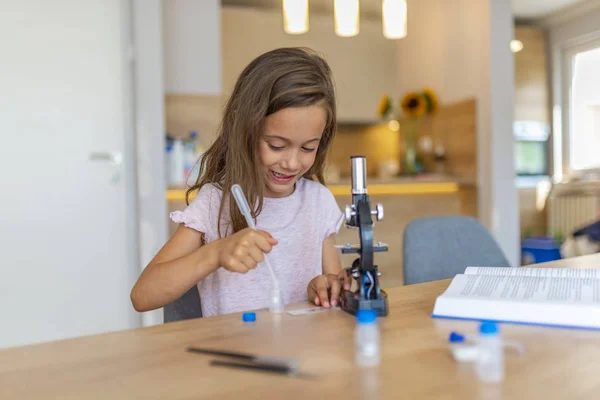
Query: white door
67, 229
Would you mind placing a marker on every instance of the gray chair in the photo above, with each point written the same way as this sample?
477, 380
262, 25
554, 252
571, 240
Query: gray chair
186, 307
440, 247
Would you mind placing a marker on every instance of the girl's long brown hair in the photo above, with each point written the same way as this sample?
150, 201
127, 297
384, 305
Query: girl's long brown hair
278, 79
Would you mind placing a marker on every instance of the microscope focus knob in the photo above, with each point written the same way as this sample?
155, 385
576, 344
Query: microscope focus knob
379, 212
349, 213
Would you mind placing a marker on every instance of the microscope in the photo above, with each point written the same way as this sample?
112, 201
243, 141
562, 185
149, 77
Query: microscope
368, 295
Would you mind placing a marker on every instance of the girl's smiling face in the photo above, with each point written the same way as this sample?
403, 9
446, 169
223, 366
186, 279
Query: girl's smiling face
289, 145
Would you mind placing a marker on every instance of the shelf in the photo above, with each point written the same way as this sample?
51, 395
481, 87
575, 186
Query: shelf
399, 188
374, 189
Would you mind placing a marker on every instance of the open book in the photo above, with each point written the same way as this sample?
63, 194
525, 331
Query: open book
541, 296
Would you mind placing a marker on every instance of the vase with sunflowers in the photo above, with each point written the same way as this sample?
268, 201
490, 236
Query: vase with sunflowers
413, 107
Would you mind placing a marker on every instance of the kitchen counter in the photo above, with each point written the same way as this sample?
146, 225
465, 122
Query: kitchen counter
425, 184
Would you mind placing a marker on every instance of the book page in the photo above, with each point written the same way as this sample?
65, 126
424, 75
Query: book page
536, 272
525, 288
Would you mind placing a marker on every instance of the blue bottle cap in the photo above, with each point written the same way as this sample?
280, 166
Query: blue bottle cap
366, 316
456, 337
249, 317
489, 328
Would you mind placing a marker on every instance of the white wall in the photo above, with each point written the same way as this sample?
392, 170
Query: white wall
461, 50
192, 30
579, 26
499, 103
445, 48
150, 131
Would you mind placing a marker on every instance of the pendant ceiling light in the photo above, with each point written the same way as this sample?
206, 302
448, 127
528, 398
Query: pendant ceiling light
346, 17
394, 18
295, 16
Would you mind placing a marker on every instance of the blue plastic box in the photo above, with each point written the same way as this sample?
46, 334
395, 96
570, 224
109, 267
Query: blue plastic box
539, 249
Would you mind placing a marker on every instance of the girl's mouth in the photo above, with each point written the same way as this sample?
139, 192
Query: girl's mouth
281, 178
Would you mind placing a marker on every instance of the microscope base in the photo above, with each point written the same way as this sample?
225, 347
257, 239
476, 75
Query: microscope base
351, 303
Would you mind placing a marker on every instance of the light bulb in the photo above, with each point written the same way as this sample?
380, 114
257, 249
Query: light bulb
394, 18
346, 17
295, 16
516, 46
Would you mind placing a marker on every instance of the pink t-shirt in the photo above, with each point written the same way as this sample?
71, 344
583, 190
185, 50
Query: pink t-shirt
300, 222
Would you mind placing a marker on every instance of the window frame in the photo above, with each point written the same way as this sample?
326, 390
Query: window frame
562, 125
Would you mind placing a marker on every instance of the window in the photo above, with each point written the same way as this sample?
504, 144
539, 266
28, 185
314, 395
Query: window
581, 134
531, 148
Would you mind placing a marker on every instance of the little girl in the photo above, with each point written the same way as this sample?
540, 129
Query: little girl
277, 128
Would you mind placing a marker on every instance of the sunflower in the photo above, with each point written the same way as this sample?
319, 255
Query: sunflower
413, 104
385, 106
431, 98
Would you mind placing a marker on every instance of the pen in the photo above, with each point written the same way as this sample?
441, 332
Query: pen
270, 361
266, 367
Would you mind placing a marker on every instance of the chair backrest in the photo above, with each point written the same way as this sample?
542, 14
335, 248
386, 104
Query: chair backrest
186, 307
440, 247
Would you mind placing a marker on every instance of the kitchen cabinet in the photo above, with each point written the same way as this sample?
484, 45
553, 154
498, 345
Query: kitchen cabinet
364, 66
192, 47
531, 76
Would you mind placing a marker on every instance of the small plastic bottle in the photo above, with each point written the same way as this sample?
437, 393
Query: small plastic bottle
190, 155
177, 169
168, 162
367, 339
276, 301
461, 350
489, 364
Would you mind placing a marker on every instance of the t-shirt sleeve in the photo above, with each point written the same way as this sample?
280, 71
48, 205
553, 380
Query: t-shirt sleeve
197, 215
331, 215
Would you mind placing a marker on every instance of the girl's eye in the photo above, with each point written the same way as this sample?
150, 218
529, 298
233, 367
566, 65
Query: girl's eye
306, 149
275, 147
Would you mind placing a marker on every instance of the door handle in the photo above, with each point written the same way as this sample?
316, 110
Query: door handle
114, 157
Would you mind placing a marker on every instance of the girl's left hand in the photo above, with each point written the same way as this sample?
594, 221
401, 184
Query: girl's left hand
325, 289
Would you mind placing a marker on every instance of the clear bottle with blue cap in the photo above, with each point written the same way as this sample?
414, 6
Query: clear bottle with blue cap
367, 339
489, 364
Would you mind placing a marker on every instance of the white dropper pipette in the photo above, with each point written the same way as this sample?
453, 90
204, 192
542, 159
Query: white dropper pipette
275, 295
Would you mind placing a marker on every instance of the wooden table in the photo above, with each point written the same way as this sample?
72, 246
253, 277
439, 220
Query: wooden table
151, 363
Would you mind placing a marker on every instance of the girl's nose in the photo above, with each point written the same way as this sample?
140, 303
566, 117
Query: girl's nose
291, 162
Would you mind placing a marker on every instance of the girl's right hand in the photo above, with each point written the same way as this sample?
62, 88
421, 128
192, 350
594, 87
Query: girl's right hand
243, 250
